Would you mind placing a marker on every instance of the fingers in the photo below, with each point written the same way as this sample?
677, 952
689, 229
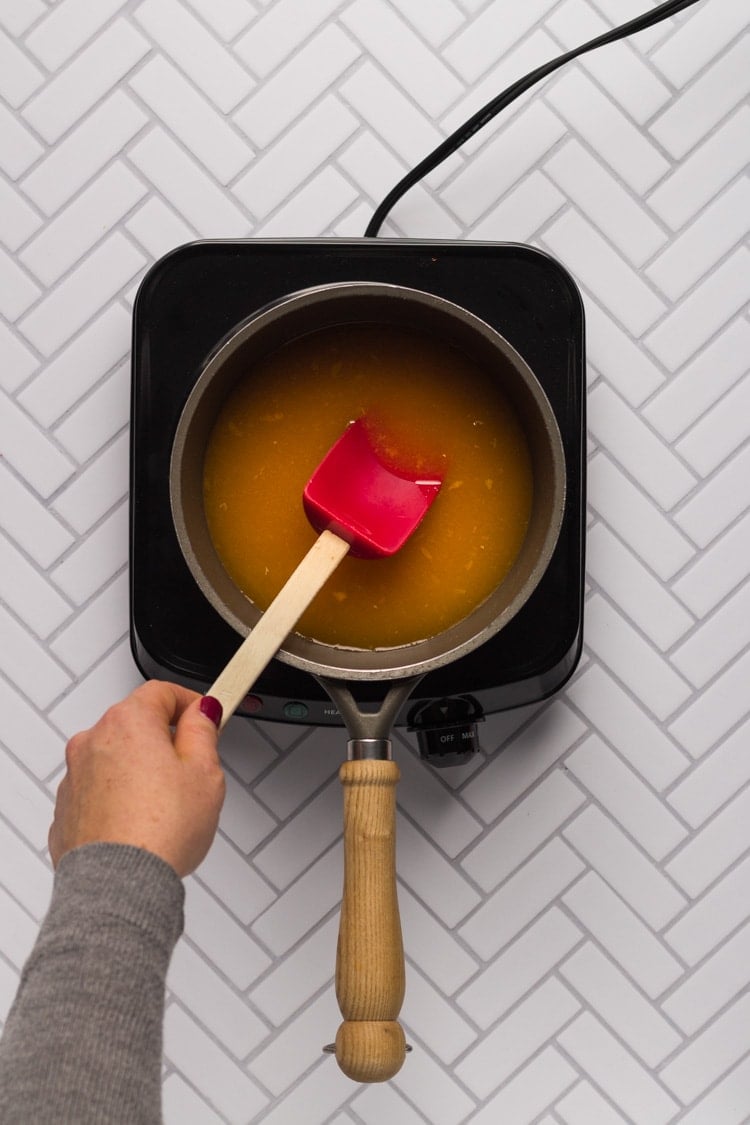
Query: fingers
166, 700
197, 731
196, 742
194, 719
157, 707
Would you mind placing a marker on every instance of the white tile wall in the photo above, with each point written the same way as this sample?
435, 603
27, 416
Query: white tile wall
576, 901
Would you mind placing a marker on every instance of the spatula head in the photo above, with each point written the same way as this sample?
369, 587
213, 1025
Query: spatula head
374, 507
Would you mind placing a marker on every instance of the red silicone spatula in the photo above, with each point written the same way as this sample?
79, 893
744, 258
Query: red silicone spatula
360, 505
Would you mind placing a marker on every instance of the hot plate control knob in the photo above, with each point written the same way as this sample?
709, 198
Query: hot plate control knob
446, 730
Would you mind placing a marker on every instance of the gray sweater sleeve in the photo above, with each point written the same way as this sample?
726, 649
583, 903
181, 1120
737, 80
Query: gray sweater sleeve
83, 1041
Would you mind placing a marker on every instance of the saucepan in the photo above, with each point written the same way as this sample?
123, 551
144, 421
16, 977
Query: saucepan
370, 976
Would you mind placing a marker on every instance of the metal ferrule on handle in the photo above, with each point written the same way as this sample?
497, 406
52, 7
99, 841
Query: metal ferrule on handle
369, 749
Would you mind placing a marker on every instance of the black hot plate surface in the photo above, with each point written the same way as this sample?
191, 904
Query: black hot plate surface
196, 295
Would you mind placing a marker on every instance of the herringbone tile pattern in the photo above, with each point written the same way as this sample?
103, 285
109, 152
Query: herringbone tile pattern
576, 902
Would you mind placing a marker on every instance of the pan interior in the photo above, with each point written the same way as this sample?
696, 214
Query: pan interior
430, 412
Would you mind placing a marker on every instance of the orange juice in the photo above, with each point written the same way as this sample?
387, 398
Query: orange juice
432, 408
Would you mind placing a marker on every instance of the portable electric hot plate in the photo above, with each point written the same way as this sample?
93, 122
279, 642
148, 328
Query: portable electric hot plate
189, 301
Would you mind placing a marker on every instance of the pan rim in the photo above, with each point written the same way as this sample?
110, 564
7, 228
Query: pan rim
342, 662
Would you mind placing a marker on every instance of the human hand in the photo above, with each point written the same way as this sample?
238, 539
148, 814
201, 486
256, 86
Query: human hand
147, 774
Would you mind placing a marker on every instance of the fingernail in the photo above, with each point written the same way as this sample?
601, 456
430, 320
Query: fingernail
212, 709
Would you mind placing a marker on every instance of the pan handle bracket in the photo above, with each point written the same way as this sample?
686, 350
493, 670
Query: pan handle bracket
369, 726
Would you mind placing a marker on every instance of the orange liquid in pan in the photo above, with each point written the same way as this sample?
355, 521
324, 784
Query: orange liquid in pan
436, 411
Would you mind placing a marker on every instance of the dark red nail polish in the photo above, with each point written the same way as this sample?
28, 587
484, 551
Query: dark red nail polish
212, 709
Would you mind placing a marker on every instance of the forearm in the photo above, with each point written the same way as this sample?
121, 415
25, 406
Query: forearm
83, 1040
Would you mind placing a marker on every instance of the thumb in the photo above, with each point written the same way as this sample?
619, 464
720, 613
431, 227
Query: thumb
197, 731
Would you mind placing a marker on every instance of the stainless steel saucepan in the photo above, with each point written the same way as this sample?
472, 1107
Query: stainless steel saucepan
370, 1043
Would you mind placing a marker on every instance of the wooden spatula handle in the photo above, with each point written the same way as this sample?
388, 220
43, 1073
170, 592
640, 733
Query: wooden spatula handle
234, 682
370, 1044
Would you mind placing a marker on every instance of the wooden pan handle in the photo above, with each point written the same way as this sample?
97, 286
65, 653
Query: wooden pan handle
370, 978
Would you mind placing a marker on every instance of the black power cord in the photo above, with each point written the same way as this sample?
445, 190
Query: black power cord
447, 147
